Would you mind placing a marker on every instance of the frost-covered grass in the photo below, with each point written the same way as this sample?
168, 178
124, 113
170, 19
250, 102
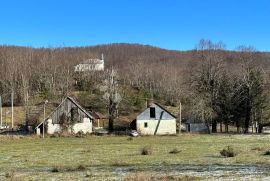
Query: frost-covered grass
114, 157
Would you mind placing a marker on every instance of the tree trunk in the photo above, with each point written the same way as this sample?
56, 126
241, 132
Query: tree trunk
110, 124
260, 126
238, 129
226, 126
247, 118
220, 126
214, 126
208, 128
238, 126
111, 117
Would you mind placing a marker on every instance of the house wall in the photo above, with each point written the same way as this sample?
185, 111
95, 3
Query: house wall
65, 108
196, 128
167, 124
89, 67
266, 129
53, 128
85, 127
145, 115
165, 127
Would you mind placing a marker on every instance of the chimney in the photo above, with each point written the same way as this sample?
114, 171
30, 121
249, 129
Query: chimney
149, 102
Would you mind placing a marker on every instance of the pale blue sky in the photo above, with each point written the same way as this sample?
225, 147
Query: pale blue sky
171, 24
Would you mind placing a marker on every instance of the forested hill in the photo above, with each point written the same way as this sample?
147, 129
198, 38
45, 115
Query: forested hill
208, 79
27, 69
30, 69
116, 53
123, 52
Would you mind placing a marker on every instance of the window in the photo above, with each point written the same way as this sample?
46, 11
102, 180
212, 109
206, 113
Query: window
152, 112
145, 125
75, 116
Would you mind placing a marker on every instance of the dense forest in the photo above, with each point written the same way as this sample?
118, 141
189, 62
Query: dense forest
214, 85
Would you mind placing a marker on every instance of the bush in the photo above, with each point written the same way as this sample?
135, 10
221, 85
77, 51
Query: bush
147, 150
228, 152
55, 135
57, 169
60, 168
175, 151
130, 138
81, 167
119, 163
9, 175
46, 92
80, 134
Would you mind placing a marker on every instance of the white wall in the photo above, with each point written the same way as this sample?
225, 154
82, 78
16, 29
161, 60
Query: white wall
89, 67
165, 127
53, 128
266, 129
85, 127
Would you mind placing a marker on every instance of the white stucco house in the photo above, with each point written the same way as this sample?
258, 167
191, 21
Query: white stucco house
69, 116
155, 120
90, 65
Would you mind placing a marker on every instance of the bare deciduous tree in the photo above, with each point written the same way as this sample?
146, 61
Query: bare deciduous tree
112, 97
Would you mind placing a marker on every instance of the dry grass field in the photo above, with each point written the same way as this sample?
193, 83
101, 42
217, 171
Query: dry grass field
185, 157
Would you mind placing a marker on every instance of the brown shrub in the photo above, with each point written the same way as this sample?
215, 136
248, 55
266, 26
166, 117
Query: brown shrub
147, 150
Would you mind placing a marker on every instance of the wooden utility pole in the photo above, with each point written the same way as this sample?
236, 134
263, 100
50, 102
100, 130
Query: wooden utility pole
1, 121
6, 112
12, 118
43, 126
180, 117
44, 115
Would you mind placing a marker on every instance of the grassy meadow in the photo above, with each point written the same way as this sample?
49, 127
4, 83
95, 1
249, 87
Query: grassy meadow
184, 157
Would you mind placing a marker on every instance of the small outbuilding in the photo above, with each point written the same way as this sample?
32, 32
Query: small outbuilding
154, 120
193, 126
266, 129
68, 117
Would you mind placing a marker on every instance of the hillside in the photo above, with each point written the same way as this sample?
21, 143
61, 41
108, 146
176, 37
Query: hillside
36, 74
27, 69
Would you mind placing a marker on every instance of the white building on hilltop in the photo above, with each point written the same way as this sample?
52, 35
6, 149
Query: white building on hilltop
90, 65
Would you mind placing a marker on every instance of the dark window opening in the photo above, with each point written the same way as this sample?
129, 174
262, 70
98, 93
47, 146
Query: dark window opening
145, 125
152, 112
75, 116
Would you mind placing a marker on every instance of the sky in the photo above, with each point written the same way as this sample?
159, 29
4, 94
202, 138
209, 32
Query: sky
170, 24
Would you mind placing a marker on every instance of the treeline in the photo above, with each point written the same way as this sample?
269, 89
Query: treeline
230, 89
214, 85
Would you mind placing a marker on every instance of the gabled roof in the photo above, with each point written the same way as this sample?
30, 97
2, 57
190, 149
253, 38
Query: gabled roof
98, 115
158, 105
74, 102
79, 106
165, 110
